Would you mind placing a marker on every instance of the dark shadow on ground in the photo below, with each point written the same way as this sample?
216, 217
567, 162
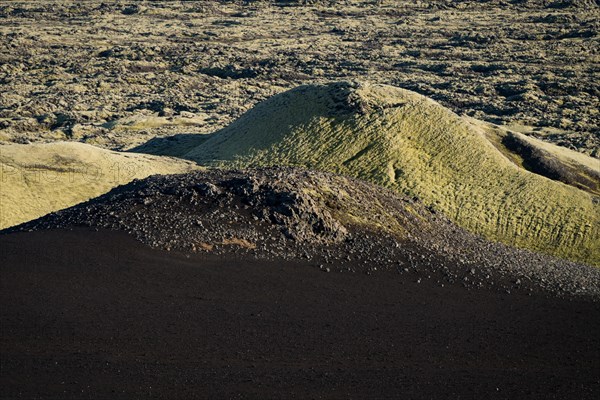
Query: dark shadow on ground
173, 146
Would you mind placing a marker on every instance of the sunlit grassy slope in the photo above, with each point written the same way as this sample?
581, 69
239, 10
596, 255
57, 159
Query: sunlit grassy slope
407, 142
36, 179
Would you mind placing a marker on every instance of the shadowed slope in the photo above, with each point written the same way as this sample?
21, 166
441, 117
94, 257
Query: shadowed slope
40, 178
405, 141
556, 163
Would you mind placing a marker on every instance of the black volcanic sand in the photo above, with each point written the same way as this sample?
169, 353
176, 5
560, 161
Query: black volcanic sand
99, 315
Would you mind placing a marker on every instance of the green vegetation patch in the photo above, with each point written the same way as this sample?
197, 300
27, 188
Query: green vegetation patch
404, 141
36, 179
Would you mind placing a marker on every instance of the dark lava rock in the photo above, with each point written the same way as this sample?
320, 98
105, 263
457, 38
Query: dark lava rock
290, 213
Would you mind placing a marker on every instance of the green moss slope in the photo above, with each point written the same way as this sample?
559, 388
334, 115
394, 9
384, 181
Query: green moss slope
36, 179
407, 142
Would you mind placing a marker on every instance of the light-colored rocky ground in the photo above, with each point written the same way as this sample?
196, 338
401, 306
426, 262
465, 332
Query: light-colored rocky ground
117, 74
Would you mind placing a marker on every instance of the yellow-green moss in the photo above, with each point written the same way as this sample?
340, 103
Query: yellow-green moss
36, 179
413, 145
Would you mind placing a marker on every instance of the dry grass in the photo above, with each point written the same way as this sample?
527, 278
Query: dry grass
206, 246
239, 242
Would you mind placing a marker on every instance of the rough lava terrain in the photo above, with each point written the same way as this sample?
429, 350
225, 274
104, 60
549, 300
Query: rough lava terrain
117, 74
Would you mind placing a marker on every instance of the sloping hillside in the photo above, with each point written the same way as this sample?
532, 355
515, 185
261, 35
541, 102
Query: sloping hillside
402, 140
339, 223
40, 178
